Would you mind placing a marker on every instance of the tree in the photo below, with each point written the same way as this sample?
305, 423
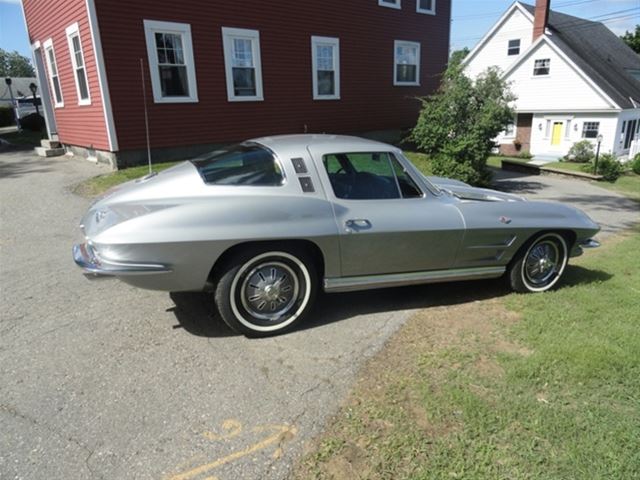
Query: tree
12, 64
457, 124
633, 39
457, 56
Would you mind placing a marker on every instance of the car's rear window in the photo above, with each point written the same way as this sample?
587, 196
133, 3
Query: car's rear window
243, 164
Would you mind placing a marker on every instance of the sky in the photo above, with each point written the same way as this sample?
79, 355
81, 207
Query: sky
471, 19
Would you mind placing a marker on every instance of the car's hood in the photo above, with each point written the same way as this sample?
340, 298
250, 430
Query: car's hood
480, 194
466, 192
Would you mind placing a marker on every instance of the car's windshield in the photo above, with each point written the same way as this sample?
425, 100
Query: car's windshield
242, 164
432, 186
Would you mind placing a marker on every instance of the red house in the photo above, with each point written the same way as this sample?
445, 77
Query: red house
227, 70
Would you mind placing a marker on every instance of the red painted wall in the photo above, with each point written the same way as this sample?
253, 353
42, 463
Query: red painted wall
369, 101
81, 125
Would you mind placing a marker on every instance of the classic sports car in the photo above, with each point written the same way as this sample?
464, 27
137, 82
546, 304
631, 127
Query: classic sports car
265, 222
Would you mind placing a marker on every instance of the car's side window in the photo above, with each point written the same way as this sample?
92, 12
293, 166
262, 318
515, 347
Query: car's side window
362, 176
244, 164
407, 186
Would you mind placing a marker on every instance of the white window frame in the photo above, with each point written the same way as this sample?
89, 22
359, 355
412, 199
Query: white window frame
228, 34
509, 47
72, 31
538, 75
400, 43
396, 4
151, 27
46, 46
335, 44
431, 11
584, 130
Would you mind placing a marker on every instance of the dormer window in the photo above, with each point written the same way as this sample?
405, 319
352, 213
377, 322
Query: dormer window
514, 47
389, 3
541, 67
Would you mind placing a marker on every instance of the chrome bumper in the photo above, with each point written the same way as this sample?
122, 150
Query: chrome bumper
93, 266
589, 243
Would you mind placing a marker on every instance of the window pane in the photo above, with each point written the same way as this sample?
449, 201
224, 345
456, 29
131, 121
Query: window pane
82, 84
173, 80
326, 83
590, 129
243, 164
56, 89
406, 73
159, 40
407, 186
426, 4
325, 57
406, 55
244, 82
242, 53
361, 176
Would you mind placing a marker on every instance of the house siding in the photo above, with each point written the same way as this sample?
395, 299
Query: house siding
79, 125
562, 90
494, 52
369, 100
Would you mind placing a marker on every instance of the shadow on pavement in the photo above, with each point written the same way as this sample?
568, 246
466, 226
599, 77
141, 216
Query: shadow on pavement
197, 314
28, 166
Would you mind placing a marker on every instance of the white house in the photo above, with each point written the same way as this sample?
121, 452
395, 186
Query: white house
574, 79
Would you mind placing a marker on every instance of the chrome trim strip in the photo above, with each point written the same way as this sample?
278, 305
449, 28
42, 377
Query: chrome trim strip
86, 258
589, 243
366, 282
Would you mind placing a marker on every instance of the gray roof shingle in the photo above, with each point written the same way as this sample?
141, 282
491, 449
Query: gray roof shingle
600, 53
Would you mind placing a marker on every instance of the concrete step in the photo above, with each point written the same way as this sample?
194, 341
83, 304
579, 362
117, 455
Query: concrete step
49, 152
50, 143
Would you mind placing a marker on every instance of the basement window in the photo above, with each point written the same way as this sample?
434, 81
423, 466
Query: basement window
242, 64
390, 3
541, 67
325, 59
406, 68
77, 62
171, 65
514, 47
426, 6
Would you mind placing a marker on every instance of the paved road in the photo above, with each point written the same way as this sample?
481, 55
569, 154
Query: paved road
100, 380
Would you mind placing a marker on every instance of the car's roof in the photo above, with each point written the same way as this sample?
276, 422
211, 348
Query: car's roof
337, 143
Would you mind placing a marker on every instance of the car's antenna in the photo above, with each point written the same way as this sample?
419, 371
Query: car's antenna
146, 117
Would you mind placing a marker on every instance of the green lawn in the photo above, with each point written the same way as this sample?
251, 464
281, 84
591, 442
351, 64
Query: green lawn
25, 138
570, 166
100, 184
543, 386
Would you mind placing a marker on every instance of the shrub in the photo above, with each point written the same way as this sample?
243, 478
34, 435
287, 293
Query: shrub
581, 152
32, 122
635, 164
6, 116
458, 124
608, 166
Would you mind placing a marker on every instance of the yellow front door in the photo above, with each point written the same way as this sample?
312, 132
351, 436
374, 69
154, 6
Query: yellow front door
556, 137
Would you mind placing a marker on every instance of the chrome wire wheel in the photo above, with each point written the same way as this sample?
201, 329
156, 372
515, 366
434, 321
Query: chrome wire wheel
543, 263
269, 290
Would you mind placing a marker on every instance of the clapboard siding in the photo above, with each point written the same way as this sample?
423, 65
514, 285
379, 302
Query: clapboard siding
369, 101
81, 125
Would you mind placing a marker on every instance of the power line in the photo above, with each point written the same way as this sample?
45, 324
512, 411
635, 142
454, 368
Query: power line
578, 23
491, 14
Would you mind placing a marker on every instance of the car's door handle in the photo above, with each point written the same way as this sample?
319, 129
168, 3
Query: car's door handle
358, 223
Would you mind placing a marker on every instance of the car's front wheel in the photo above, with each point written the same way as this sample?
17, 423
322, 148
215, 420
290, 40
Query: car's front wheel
266, 292
540, 264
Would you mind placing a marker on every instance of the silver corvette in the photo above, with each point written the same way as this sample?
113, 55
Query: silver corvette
264, 223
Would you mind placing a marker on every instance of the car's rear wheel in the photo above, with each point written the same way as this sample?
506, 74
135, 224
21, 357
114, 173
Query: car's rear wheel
540, 264
265, 292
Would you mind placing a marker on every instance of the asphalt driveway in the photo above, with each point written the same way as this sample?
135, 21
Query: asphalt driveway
100, 380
